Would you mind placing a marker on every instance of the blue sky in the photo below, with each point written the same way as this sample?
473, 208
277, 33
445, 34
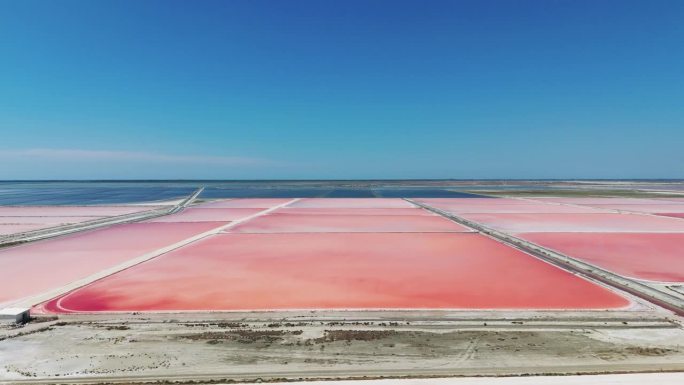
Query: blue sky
341, 89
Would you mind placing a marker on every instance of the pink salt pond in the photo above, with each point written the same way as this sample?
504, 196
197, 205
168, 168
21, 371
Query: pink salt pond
53, 263
529, 207
208, 215
353, 211
64, 211
350, 203
340, 271
279, 222
649, 256
650, 208
520, 223
248, 203
673, 215
600, 201
7, 229
45, 220
472, 201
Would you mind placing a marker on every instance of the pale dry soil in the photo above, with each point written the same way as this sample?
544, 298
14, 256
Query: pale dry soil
137, 351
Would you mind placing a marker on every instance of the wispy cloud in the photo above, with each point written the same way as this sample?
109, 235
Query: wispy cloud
77, 155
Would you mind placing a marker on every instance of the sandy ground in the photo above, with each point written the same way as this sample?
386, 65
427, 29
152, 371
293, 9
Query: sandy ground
601, 379
143, 350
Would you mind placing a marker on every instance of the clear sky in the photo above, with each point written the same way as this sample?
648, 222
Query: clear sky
341, 89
